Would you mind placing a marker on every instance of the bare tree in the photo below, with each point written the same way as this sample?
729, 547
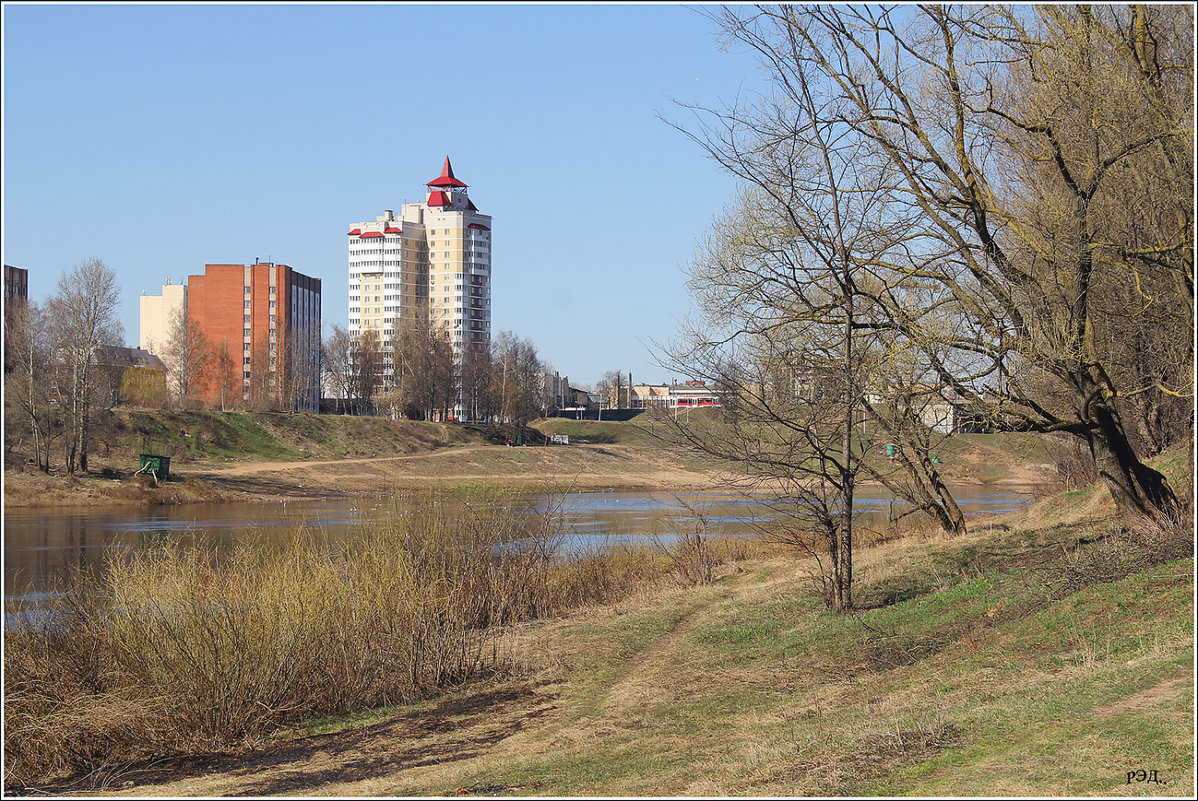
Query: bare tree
613, 386
337, 365
228, 374
142, 386
27, 355
189, 356
478, 399
425, 371
366, 356
786, 336
83, 316
518, 378
1024, 147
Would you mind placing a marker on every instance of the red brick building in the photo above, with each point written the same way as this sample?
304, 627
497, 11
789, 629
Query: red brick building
266, 318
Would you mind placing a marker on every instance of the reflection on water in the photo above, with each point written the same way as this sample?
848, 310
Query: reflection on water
40, 545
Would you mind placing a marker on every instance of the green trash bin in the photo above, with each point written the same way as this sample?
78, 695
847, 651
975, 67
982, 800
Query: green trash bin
159, 465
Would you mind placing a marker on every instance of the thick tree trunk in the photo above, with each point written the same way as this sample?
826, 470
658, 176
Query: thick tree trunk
952, 519
1138, 490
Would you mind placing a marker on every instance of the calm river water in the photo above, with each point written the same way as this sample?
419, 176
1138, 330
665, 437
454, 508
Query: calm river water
39, 544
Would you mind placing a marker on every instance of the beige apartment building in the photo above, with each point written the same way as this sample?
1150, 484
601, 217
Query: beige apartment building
155, 315
434, 255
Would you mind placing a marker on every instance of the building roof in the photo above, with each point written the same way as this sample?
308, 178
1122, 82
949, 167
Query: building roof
438, 198
392, 230
446, 177
354, 232
118, 356
370, 234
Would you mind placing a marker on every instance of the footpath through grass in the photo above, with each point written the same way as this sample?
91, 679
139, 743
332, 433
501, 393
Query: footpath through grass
995, 665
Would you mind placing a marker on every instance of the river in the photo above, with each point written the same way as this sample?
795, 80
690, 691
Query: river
40, 544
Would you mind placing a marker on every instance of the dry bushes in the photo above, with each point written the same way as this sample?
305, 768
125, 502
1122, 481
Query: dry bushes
1120, 551
184, 650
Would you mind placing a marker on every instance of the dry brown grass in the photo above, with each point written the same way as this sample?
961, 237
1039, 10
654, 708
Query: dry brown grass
190, 650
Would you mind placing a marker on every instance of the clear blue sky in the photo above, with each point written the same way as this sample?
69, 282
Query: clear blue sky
161, 138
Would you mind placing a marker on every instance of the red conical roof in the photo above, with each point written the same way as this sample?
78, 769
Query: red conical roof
446, 177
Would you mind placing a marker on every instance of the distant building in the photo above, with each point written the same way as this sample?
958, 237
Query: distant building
691, 394
16, 293
558, 393
130, 377
267, 317
16, 285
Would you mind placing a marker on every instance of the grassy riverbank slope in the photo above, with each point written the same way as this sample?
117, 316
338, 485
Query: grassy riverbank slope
217, 456
1049, 652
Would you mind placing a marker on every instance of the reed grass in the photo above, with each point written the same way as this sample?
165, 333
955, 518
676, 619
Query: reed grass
181, 650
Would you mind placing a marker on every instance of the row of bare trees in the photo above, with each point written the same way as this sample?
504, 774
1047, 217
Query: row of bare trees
993, 203
201, 372
51, 363
418, 375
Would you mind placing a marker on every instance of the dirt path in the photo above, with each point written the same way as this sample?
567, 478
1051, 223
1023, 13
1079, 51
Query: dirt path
1157, 694
250, 468
578, 466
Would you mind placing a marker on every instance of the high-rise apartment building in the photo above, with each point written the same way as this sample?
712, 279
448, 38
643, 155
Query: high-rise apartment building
434, 258
266, 317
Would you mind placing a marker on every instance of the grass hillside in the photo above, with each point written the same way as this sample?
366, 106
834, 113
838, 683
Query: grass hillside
121, 434
965, 458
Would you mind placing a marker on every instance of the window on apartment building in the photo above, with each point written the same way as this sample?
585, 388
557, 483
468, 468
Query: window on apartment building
247, 304
246, 360
247, 374
246, 347
272, 303
247, 290
272, 318
247, 332
272, 290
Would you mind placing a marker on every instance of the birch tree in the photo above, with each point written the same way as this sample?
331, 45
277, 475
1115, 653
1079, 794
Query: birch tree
83, 316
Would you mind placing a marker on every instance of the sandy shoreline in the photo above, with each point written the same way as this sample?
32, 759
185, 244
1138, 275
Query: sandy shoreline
582, 467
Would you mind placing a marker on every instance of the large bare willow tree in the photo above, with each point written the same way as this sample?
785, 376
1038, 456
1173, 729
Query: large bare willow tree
1040, 159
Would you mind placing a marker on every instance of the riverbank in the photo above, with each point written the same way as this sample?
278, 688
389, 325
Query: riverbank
239, 456
559, 468
1047, 653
